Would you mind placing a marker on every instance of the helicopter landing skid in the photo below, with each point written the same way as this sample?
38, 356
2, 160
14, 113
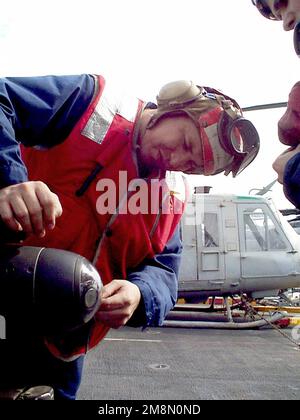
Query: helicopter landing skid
191, 316
219, 324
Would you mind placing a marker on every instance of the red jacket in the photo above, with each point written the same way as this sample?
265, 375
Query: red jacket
102, 144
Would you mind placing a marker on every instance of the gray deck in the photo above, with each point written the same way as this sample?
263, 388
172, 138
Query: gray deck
181, 364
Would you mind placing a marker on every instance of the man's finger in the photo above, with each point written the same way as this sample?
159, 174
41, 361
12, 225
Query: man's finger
113, 319
21, 213
35, 213
111, 288
50, 204
111, 304
8, 218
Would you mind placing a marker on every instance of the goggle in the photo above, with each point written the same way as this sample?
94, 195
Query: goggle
237, 137
265, 10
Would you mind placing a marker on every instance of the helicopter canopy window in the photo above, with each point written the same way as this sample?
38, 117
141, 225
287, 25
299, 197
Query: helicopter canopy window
260, 232
210, 230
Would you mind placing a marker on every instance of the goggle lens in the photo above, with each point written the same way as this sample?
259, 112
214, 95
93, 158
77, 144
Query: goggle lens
240, 165
237, 141
264, 9
239, 138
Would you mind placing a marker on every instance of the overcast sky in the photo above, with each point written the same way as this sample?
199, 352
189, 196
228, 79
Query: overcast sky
143, 44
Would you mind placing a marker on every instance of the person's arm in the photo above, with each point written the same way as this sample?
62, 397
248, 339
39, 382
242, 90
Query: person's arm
35, 111
291, 180
149, 292
157, 280
287, 166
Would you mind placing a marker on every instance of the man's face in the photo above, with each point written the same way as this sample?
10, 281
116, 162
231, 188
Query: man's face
289, 124
173, 144
286, 10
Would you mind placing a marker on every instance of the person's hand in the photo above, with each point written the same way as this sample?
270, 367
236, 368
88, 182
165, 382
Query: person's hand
120, 298
29, 206
280, 163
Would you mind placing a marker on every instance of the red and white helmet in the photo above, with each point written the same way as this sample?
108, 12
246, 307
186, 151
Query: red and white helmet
229, 141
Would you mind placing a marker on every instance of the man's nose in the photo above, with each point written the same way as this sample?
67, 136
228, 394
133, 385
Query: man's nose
177, 160
289, 21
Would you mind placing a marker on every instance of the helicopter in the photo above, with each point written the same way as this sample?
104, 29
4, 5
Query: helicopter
238, 247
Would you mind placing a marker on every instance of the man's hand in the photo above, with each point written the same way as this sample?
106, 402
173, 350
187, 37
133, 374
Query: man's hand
120, 298
280, 163
29, 206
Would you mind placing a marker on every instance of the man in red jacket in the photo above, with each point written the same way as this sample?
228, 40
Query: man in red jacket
91, 141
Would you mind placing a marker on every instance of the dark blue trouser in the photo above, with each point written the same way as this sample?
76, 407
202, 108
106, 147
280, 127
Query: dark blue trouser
27, 362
